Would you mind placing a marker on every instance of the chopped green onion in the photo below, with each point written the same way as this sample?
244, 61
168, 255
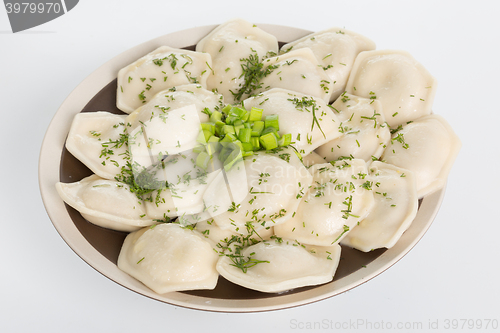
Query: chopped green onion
245, 134
257, 128
215, 116
255, 114
269, 141
285, 140
209, 127
202, 160
272, 120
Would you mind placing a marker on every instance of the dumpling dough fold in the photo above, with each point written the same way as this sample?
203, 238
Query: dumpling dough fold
167, 257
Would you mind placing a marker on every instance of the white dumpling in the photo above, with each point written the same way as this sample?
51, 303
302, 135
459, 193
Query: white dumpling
298, 71
335, 49
169, 124
231, 46
163, 68
336, 201
106, 203
263, 192
308, 119
403, 86
365, 132
168, 134
428, 147
97, 140
175, 98
396, 205
187, 184
279, 265
167, 257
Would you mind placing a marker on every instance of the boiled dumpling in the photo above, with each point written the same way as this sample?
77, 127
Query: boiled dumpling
169, 124
403, 86
280, 264
335, 49
98, 140
232, 46
167, 257
298, 71
106, 203
396, 204
365, 132
337, 200
163, 68
308, 119
171, 99
428, 147
262, 192
187, 184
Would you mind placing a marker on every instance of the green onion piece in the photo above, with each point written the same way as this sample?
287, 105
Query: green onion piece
198, 149
231, 119
255, 114
202, 160
209, 127
247, 125
272, 120
247, 146
247, 153
216, 116
245, 134
239, 112
218, 127
228, 139
227, 108
213, 139
232, 159
255, 143
269, 141
285, 140
245, 116
226, 129
237, 129
213, 145
257, 128
203, 136
270, 130
237, 145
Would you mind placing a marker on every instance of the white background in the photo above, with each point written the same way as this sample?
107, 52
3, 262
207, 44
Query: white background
452, 273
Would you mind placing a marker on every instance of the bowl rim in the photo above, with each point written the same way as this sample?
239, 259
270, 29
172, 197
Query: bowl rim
49, 173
